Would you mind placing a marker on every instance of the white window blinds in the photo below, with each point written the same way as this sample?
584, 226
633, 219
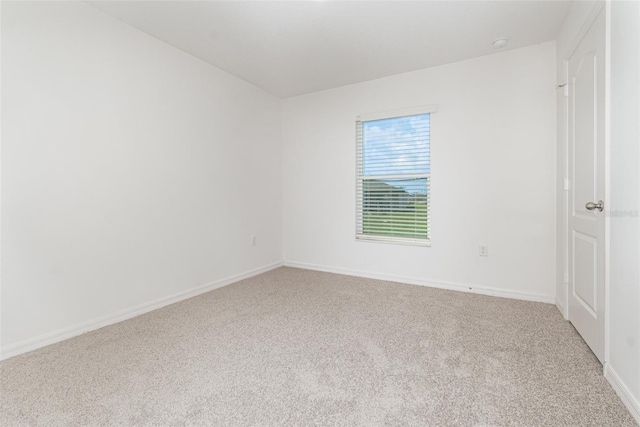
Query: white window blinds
393, 173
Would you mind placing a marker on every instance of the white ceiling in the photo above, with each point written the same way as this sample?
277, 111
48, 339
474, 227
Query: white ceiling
290, 48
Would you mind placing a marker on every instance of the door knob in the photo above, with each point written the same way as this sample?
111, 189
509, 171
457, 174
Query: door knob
591, 206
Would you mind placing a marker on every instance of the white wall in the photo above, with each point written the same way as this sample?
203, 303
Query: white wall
493, 175
130, 170
624, 281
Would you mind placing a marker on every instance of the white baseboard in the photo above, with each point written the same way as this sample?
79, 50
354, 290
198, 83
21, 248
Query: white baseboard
623, 392
428, 282
127, 313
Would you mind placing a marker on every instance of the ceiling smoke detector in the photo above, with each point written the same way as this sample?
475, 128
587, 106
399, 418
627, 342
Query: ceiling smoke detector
500, 43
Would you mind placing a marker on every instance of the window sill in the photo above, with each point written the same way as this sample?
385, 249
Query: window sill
393, 240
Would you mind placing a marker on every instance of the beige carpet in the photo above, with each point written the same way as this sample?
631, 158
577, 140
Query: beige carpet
295, 347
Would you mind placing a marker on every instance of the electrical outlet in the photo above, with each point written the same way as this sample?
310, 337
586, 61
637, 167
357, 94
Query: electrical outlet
484, 250
253, 240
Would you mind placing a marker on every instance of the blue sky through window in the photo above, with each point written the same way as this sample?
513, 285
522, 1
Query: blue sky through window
398, 146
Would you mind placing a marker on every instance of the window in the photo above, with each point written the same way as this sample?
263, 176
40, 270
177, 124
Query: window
393, 175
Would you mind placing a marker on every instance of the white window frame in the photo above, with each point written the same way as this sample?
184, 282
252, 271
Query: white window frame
360, 177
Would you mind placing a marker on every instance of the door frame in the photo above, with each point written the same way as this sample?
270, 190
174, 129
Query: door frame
599, 7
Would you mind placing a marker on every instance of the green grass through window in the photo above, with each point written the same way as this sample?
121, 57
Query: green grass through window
408, 222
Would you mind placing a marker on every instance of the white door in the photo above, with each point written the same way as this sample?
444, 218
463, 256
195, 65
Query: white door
586, 86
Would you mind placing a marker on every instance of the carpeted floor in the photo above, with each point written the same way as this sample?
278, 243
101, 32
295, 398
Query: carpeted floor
296, 347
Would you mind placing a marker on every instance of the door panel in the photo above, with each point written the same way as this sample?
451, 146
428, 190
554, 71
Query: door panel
585, 277
585, 150
586, 171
